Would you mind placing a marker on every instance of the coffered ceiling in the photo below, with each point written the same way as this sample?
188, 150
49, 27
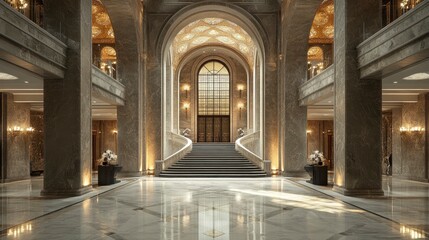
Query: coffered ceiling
102, 31
213, 31
322, 30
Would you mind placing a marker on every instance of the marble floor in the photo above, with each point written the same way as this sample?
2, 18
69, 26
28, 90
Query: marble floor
187, 209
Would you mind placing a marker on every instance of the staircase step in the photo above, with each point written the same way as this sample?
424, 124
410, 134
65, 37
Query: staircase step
213, 160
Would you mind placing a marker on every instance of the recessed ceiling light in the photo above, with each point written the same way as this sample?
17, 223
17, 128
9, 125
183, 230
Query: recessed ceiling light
395, 82
417, 76
7, 76
26, 82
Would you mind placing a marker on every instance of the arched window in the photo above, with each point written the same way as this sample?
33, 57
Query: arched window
213, 89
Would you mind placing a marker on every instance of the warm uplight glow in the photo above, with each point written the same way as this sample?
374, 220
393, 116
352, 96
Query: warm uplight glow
240, 87
274, 172
15, 232
412, 233
86, 181
115, 131
18, 129
308, 131
150, 171
411, 129
240, 105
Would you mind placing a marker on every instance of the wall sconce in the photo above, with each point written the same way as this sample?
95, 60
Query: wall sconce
309, 131
240, 88
240, 106
18, 130
186, 107
186, 87
411, 129
115, 131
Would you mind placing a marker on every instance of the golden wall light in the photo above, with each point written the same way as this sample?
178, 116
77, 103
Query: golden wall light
308, 131
240, 88
411, 129
186, 88
115, 131
186, 107
240, 106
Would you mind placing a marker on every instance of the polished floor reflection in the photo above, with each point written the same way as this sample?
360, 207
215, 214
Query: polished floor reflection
264, 209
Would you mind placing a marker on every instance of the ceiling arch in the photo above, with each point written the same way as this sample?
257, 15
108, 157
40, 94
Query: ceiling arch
212, 31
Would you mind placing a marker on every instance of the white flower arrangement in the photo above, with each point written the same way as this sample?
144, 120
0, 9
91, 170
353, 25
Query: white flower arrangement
316, 158
109, 158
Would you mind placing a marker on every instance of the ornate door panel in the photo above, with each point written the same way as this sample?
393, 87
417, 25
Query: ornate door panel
213, 129
225, 129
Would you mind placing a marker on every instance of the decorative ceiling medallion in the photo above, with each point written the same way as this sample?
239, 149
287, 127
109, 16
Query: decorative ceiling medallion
213, 21
95, 31
213, 32
226, 29
321, 18
329, 31
188, 36
110, 33
315, 53
313, 32
182, 48
200, 40
102, 28
200, 29
94, 9
108, 53
226, 40
102, 18
216, 31
330, 9
322, 30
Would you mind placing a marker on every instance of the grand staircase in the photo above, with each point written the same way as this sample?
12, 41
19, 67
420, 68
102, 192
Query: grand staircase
213, 160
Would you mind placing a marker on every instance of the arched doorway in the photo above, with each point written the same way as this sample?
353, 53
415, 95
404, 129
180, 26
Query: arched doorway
213, 103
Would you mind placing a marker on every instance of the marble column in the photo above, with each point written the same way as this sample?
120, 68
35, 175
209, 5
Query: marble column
357, 102
297, 17
67, 102
127, 21
15, 160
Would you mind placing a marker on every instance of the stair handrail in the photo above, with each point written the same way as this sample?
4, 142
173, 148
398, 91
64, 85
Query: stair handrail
176, 156
253, 157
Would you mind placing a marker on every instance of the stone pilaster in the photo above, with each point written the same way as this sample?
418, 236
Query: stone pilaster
357, 102
127, 21
67, 102
297, 17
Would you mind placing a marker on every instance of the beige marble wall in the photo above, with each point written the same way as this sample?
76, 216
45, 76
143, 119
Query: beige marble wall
318, 132
409, 148
17, 164
37, 142
106, 137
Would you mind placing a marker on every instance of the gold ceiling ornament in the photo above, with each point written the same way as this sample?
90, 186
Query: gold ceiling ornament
95, 31
315, 53
321, 18
108, 53
212, 31
102, 18
322, 30
328, 31
94, 9
102, 26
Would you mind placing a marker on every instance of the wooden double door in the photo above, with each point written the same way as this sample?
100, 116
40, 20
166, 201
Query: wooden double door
213, 129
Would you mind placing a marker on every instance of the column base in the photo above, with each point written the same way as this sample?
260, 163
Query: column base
294, 173
66, 193
358, 192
